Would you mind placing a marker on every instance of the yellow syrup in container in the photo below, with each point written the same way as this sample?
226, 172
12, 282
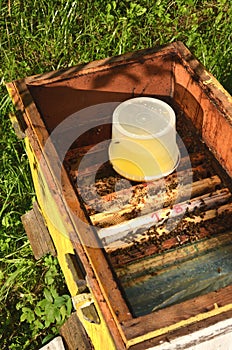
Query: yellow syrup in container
143, 146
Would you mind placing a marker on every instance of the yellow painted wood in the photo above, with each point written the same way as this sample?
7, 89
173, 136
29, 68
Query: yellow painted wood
200, 317
98, 333
53, 220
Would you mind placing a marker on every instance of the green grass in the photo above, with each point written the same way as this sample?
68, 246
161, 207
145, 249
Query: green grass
39, 36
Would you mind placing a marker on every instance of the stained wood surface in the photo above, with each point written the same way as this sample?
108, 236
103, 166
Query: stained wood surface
124, 239
173, 336
155, 202
160, 262
74, 334
176, 313
37, 232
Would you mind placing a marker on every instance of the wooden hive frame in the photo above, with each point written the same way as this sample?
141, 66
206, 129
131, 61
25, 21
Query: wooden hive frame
42, 103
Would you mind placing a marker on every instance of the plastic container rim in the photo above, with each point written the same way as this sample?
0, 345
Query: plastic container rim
123, 131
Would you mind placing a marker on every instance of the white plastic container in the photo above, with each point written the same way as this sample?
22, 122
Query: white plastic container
143, 146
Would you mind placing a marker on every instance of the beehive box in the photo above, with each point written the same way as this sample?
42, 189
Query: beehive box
145, 263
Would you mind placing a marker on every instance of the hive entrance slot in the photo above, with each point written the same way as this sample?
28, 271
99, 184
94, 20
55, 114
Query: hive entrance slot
186, 215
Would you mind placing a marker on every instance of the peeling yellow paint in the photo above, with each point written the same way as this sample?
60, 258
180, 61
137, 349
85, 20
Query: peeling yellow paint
98, 333
49, 210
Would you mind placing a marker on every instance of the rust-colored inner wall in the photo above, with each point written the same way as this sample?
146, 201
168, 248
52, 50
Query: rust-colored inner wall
163, 76
60, 99
212, 124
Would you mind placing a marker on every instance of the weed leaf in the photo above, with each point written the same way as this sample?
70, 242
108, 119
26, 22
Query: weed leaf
48, 295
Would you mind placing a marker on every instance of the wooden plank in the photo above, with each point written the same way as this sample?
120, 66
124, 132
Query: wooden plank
74, 334
69, 205
195, 85
173, 337
208, 83
138, 230
99, 65
160, 216
155, 201
218, 336
53, 212
171, 318
37, 232
125, 252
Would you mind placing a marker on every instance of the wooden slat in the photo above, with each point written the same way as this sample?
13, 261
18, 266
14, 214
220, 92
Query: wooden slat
74, 335
134, 227
160, 262
37, 232
73, 161
207, 305
139, 193
128, 251
170, 336
156, 201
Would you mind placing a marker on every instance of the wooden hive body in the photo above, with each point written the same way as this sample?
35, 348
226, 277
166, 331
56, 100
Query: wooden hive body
97, 270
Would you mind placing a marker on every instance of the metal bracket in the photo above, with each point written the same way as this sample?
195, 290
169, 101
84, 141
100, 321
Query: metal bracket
84, 303
37, 232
